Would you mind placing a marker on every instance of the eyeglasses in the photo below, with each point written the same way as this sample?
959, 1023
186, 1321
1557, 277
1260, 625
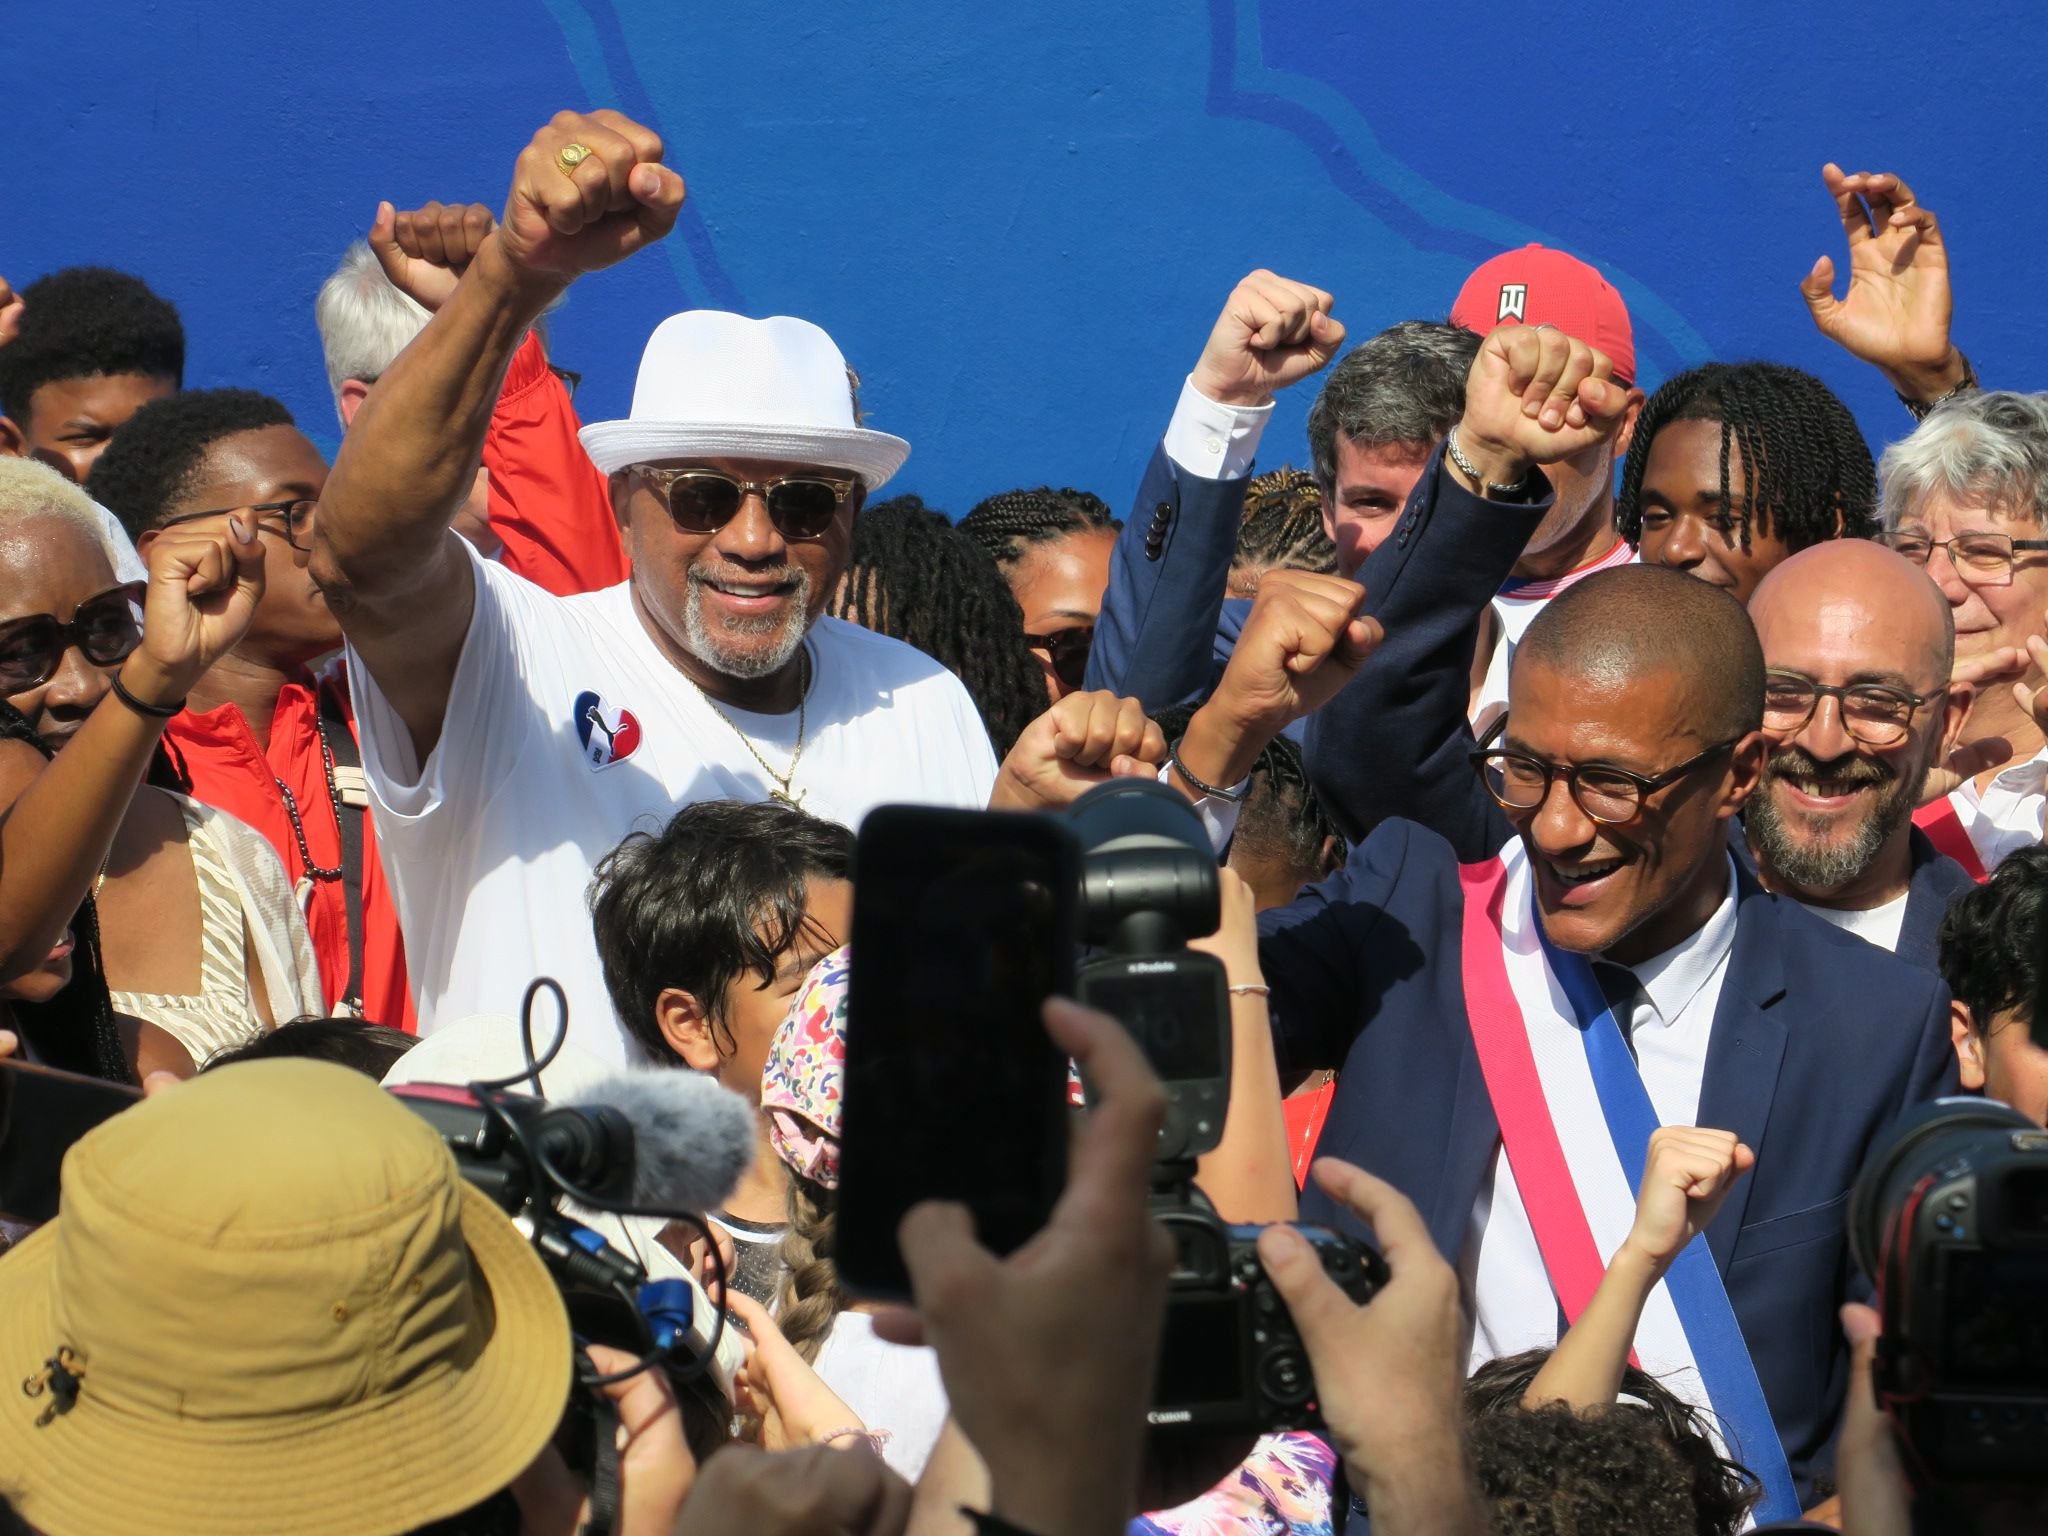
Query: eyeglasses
1520, 782
1873, 713
105, 628
1981, 559
703, 501
291, 521
1067, 650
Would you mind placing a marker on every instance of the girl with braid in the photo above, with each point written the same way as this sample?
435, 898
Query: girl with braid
1053, 548
915, 577
1736, 466
1282, 530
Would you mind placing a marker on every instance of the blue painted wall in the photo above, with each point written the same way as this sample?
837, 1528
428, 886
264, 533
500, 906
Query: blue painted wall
1018, 221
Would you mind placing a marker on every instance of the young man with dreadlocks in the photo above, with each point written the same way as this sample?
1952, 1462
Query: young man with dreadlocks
1053, 548
1735, 466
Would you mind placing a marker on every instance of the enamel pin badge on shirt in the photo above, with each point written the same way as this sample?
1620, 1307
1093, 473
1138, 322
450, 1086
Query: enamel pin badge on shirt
608, 735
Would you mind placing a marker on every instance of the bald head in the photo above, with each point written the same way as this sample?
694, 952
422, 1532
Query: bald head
1876, 610
1619, 628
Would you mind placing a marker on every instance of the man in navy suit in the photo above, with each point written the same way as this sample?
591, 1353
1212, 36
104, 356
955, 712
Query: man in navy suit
1635, 705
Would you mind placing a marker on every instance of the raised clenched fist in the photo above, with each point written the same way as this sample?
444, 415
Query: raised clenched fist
425, 250
1535, 396
1272, 333
588, 191
11, 309
1302, 642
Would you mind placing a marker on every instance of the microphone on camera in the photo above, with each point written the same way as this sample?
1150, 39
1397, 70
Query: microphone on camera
690, 1138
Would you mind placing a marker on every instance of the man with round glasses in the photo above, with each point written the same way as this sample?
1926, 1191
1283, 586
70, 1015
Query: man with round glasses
512, 738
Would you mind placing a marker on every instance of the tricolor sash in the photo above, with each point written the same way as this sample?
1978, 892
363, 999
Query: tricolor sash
1945, 829
1576, 1122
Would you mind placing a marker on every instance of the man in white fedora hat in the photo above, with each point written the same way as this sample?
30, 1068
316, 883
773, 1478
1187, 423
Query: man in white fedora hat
512, 738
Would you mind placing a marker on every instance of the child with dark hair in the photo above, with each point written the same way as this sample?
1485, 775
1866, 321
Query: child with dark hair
1281, 530
705, 931
1991, 960
371, 1049
1736, 466
95, 346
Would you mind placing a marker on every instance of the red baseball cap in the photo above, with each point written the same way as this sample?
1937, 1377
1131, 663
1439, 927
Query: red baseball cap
1539, 286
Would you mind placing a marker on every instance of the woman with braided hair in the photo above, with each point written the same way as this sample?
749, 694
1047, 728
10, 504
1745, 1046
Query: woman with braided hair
1281, 530
913, 576
1053, 547
1736, 466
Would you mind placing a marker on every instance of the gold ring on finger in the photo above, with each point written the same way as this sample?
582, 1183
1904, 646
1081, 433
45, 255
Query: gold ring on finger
569, 156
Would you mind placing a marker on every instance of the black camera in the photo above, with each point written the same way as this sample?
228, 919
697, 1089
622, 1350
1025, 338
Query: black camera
1950, 1218
1229, 1357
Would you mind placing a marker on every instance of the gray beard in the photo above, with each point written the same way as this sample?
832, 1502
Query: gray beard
787, 634
1824, 866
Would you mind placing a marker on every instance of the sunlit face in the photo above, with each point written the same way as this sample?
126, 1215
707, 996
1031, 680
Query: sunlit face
1058, 584
752, 1012
741, 599
1372, 487
71, 420
1988, 615
1685, 525
2003, 1062
1631, 884
51, 565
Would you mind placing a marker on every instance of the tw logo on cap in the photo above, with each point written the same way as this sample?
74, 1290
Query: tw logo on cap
607, 735
1514, 301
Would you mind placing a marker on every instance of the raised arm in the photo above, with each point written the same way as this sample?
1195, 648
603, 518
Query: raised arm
588, 191
1394, 741
1896, 313
1155, 639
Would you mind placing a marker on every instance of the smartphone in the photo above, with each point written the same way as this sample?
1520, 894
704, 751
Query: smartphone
42, 1112
964, 923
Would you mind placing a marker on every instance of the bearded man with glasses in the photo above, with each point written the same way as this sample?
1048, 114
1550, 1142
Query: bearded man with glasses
512, 738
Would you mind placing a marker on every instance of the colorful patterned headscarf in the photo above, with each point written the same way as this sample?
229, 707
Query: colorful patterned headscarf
802, 1082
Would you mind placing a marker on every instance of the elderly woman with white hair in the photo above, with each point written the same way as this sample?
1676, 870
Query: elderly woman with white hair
1967, 497
196, 933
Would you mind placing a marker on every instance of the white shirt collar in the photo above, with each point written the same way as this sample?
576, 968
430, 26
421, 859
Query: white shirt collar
1674, 978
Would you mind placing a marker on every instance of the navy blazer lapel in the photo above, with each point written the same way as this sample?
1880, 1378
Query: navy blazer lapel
1747, 1047
1469, 1144
1936, 881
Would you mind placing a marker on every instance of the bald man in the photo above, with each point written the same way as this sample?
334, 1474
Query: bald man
1857, 645
1591, 842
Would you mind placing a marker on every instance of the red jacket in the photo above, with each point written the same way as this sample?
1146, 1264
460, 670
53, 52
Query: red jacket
550, 507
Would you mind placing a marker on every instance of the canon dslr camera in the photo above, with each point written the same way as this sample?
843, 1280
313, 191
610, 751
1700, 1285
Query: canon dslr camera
1229, 1358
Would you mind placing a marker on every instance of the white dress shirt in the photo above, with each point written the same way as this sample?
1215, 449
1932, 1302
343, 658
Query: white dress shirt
2006, 814
1214, 441
1507, 1289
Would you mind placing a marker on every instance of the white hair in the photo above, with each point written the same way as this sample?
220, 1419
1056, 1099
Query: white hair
1988, 450
365, 322
30, 490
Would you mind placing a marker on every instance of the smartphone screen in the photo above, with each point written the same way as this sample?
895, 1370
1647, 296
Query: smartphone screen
42, 1112
964, 922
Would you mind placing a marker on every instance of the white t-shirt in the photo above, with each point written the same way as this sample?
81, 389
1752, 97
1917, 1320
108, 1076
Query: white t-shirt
1879, 925
567, 729
895, 1388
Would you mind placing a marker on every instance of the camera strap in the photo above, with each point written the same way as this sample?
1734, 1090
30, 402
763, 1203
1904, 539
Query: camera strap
1576, 1122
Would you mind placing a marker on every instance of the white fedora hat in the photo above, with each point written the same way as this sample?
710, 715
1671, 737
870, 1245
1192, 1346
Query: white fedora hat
716, 385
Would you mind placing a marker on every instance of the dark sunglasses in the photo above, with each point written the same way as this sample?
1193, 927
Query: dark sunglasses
105, 628
703, 501
1067, 649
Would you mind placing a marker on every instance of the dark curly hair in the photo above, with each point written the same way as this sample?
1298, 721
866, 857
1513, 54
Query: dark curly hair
150, 461
1991, 939
1008, 524
75, 1029
1281, 817
1281, 530
1648, 1468
84, 322
1807, 472
914, 576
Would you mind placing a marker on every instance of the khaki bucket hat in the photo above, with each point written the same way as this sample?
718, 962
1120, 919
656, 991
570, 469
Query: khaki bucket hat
276, 1307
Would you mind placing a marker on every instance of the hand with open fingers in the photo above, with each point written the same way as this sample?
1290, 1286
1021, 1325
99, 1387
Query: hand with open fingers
1084, 740
1048, 1355
1236, 939
1534, 396
1273, 332
2003, 666
1877, 1500
1301, 643
817, 1491
778, 1387
588, 191
1390, 1375
11, 311
425, 250
656, 1468
1687, 1173
2034, 700
1896, 312
204, 584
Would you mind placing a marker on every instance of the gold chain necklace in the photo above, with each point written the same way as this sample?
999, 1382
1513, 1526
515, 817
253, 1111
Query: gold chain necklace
788, 796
